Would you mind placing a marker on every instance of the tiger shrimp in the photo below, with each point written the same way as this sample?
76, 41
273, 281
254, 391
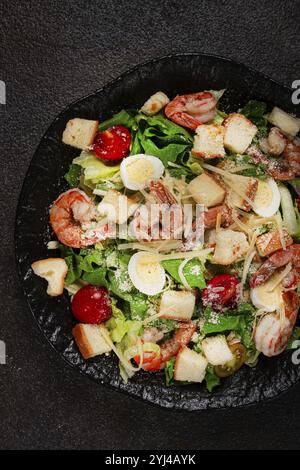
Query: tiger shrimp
149, 218
281, 169
278, 260
273, 332
192, 110
69, 213
168, 349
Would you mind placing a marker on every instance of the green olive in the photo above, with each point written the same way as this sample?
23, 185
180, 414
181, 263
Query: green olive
239, 357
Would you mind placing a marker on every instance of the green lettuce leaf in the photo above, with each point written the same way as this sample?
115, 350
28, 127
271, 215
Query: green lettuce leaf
74, 268
124, 117
211, 379
255, 111
97, 277
192, 271
169, 371
295, 336
240, 321
94, 169
73, 175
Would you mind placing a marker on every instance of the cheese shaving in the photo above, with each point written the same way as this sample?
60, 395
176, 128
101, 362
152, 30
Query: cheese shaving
280, 230
246, 267
181, 275
241, 225
125, 363
218, 222
235, 182
278, 279
202, 254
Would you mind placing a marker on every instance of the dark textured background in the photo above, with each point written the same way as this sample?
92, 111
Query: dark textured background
52, 53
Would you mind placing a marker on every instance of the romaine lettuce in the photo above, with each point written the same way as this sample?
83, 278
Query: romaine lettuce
192, 271
124, 117
94, 169
211, 379
73, 175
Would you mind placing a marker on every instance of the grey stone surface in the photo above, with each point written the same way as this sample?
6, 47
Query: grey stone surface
52, 53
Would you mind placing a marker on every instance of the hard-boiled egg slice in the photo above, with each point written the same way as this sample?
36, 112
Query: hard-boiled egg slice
267, 199
146, 273
138, 170
267, 297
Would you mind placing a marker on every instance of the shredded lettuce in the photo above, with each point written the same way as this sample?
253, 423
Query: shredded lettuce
122, 329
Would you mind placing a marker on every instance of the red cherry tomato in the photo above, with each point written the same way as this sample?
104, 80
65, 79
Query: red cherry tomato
221, 292
151, 361
112, 144
91, 304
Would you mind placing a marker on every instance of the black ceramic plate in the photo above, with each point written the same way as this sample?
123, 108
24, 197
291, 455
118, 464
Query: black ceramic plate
177, 74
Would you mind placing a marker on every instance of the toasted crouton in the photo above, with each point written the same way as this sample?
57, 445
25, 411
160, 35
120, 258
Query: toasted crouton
284, 121
271, 241
216, 350
189, 366
205, 190
177, 305
230, 246
209, 141
80, 133
54, 270
248, 187
239, 133
155, 103
117, 207
90, 340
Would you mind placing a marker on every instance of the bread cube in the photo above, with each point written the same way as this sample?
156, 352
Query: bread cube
177, 305
209, 141
239, 133
117, 207
205, 190
230, 246
189, 366
80, 133
54, 270
90, 340
270, 242
249, 187
155, 103
284, 121
216, 350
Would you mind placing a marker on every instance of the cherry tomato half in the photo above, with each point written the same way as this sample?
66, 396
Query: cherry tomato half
112, 144
91, 304
239, 357
221, 291
151, 361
